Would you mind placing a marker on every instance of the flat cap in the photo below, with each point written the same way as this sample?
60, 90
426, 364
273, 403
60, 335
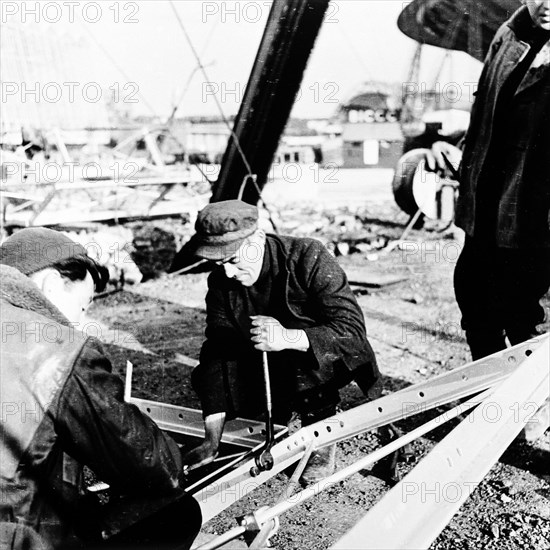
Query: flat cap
35, 248
221, 228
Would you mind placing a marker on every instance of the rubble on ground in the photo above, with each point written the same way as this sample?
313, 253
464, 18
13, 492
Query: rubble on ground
345, 231
111, 247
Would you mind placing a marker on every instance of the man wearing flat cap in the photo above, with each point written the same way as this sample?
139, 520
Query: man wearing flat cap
283, 295
63, 409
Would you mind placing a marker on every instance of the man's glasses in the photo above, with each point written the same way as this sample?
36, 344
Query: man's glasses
231, 260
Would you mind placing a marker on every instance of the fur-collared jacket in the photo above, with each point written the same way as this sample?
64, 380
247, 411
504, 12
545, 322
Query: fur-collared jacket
505, 173
309, 292
62, 408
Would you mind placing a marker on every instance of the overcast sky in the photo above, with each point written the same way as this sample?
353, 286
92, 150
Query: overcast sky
359, 42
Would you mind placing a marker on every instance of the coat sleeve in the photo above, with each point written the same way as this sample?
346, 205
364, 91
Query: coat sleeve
220, 330
123, 446
338, 340
216, 373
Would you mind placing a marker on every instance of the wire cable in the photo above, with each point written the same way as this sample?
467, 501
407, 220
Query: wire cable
192, 74
205, 75
119, 68
250, 176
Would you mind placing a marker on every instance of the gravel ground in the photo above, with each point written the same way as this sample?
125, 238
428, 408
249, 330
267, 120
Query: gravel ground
414, 329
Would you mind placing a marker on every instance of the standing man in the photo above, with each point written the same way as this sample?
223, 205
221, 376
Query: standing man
285, 296
504, 197
63, 409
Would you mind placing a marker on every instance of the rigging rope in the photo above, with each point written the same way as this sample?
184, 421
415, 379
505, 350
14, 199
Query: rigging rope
119, 68
205, 75
249, 176
191, 75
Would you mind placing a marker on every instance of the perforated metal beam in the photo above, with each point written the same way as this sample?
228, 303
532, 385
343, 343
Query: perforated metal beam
183, 420
225, 490
416, 510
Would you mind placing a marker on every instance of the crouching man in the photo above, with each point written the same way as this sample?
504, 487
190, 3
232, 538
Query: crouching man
283, 295
62, 408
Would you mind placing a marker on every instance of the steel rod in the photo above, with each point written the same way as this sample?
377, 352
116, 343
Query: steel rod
268, 403
269, 526
267, 515
222, 491
413, 513
377, 455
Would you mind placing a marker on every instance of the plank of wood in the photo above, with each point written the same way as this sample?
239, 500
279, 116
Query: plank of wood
367, 278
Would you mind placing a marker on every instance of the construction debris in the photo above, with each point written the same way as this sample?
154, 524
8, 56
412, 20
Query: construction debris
343, 230
111, 247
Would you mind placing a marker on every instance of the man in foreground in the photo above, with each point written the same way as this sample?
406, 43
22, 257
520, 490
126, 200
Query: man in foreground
63, 409
282, 295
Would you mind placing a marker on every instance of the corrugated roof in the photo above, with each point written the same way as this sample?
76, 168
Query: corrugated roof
389, 131
368, 100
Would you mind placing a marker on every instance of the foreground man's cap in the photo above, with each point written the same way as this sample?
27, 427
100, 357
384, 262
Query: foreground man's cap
35, 248
221, 228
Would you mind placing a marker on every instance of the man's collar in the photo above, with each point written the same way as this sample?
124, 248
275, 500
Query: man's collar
18, 290
267, 263
525, 30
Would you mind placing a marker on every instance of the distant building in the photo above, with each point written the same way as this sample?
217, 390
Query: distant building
298, 153
371, 133
302, 141
203, 136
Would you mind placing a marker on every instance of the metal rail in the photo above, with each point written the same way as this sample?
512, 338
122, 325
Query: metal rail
264, 516
481, 376
226, 489
416, 510
183, 420
186, 421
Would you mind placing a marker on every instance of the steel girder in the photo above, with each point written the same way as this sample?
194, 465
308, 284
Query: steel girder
412, 514
228, 487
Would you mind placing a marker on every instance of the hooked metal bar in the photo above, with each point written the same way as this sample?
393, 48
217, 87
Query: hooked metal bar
264, 461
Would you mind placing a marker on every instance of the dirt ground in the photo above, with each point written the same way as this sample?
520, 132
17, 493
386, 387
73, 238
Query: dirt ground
414, 329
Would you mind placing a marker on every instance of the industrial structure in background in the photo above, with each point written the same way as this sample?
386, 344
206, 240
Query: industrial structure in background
371, 130
41, 140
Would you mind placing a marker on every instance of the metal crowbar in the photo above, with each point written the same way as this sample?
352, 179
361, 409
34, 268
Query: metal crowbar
264, 461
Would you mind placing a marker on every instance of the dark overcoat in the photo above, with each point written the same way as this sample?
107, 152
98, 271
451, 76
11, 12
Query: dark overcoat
310, 292
62, 409
507, 151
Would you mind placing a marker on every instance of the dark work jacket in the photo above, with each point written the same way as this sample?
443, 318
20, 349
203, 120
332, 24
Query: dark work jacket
62, 409
505, 175
311, 292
